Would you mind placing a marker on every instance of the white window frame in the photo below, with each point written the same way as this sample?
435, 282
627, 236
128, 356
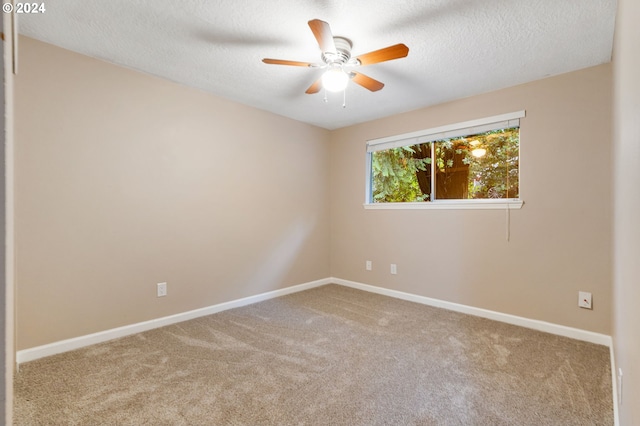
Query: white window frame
465, 128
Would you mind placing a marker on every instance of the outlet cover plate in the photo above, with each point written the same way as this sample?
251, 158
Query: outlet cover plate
584, 299
162, 289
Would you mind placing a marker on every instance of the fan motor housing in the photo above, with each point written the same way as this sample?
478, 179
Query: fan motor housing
343, 51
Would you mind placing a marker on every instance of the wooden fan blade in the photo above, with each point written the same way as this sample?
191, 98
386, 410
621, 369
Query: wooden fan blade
367, 82
388, 53
322, 33
284, 62
315, 87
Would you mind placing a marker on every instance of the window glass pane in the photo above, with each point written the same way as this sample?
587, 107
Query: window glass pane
401, 174
478, 166
452, 170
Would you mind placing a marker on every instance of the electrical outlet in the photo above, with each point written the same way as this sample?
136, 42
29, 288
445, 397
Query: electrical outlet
369, 265
162, 289
394, 269
584, 299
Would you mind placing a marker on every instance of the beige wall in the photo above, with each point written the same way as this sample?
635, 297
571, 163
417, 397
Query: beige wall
560, 240
627, 207
125, 180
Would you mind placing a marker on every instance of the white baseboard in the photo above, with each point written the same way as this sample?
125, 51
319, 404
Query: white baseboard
561, 330
31, 354
37, 352
614, 383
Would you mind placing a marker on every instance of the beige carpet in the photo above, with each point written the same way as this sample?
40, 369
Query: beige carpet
327, 356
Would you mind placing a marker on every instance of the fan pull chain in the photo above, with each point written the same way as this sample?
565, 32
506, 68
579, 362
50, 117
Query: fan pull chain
344, 98
326, 100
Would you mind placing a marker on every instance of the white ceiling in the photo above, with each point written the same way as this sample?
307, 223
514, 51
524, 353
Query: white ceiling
457, 48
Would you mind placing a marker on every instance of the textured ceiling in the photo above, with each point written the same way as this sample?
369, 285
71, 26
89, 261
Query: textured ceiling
457, 48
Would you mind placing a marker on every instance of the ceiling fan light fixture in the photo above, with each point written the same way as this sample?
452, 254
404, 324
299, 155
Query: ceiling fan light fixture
336, 55
335, 80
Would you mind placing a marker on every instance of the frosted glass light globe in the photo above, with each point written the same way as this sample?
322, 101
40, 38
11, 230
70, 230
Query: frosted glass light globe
335, 80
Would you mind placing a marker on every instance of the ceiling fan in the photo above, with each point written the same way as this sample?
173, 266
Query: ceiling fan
337, 60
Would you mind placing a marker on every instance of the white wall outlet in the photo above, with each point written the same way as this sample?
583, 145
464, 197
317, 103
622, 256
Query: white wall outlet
394, 269
162, 289
369, 265
584, 299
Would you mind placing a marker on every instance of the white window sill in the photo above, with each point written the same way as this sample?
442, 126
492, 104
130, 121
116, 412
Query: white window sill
449, 205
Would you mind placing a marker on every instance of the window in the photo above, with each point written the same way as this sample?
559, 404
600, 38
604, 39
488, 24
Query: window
467, 165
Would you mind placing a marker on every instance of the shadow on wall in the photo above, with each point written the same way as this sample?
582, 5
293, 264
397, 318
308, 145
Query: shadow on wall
280, 257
